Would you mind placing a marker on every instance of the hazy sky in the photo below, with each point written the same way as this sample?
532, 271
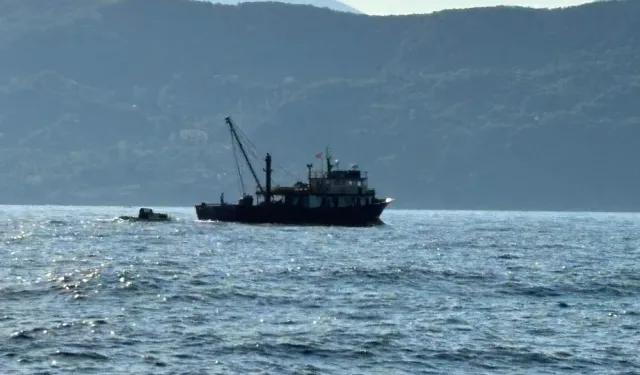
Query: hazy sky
427, 6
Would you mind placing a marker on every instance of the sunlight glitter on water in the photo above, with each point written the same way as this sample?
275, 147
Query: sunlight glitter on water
434, 292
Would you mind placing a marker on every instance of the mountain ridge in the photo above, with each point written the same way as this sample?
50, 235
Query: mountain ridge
491, 108
330, 4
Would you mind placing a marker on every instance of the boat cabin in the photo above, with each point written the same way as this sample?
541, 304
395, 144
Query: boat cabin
331, 188
352, 182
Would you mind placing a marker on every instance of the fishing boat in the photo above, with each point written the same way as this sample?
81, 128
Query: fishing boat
333, 197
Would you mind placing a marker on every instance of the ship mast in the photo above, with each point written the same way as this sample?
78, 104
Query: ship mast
234, 134
329, 164
268, 171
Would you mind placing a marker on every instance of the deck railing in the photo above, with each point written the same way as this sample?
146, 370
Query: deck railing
319, 174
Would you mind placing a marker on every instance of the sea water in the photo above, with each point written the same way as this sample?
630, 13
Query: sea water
430, 292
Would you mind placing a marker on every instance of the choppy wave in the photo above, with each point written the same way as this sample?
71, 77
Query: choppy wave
431, 292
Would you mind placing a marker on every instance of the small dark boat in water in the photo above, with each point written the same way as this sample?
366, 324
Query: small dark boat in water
147, 214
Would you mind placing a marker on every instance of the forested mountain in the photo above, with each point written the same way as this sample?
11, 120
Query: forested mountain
123, 102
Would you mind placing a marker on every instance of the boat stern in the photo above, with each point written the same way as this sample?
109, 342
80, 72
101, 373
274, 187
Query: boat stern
217, 212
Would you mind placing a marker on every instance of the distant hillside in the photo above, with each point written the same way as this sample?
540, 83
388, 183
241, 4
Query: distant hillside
122, 102
331, 4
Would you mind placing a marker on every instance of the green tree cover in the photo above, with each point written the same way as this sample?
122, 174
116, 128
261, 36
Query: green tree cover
122, 102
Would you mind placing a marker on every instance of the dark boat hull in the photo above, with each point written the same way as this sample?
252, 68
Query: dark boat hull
152, 219
282, 214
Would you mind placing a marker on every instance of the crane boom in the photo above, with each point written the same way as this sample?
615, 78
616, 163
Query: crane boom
232, 125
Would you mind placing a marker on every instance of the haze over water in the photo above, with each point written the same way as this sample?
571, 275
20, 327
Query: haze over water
428, 293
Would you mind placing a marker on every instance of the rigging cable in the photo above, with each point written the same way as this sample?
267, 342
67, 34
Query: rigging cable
235, 155
253, 151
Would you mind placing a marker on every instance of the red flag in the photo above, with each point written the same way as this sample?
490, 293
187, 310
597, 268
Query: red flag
319, 155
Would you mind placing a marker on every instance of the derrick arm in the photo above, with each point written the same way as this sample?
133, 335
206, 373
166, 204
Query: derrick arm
246, 158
